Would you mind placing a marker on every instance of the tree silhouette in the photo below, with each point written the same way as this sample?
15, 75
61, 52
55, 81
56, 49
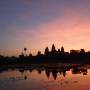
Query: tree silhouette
53, 56
82, 51
25, 49
39, 53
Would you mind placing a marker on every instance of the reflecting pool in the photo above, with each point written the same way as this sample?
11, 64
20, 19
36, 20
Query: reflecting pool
47, 77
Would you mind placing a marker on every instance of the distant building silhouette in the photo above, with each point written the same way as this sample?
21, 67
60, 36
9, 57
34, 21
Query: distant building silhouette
46, 51
74, 51
62, 49
53, 48
82, 51
53, 56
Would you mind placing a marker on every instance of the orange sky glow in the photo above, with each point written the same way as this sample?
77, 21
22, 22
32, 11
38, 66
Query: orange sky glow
69, 27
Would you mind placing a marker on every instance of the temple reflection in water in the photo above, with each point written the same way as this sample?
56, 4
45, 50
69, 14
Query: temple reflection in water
53, 71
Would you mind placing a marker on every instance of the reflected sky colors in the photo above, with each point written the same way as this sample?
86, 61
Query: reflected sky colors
35, 81
36, 24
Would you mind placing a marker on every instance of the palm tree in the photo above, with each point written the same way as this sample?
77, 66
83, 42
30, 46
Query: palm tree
25, 49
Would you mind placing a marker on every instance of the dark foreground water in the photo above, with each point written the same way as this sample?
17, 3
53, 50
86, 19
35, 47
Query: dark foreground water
49, 78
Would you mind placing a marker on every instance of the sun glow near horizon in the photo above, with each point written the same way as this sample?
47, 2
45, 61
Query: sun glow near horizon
36, 25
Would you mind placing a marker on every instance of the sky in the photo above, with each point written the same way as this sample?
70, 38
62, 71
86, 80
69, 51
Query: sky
36, 24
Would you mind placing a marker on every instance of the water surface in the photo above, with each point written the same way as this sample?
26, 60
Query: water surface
48, 78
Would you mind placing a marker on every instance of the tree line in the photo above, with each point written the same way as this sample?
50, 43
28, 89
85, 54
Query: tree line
49, 56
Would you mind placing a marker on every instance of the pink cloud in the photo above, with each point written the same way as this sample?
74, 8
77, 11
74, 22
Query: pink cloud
71, 30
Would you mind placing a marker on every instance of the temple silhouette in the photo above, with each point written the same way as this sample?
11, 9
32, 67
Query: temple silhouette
49, 56
50, 70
